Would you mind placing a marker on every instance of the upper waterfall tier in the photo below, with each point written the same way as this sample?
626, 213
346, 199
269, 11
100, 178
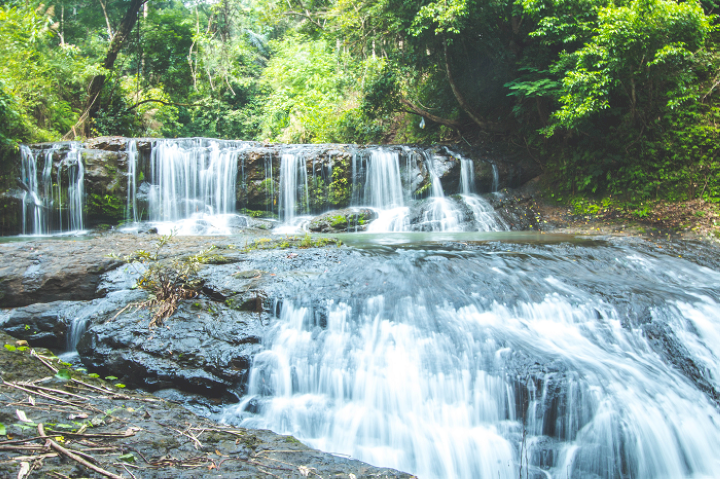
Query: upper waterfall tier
63, 186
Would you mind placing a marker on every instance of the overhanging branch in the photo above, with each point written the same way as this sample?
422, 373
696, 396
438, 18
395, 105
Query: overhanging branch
169, 103
425, 114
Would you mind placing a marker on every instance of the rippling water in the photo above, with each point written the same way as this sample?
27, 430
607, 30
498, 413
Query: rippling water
537, 358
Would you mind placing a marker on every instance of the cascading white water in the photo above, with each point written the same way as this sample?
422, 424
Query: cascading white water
76, 187
293, 186
383, 188
496, 178
441, 215
433, 388
192, 186
42, 201
131, 213
193, 179
484, 215
32, 206
467, 177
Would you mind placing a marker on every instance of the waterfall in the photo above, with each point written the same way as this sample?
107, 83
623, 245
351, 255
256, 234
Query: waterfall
132, 160
45, 210
441, 215
76, 187
193, 178
489, 365
193, 185
496, 178
467, 176
383, 188
293, 186
32, 206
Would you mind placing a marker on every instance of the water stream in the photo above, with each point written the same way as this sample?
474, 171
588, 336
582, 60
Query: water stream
53, 194
548, 360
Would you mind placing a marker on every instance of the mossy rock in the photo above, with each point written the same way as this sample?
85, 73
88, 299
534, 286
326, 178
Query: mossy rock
342, 221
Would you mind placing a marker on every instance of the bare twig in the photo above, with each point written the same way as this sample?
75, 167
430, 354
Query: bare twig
34, 458
128, 471
42, 360
75, 457
48, 396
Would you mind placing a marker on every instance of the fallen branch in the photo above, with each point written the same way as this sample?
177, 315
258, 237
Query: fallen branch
197, 442
75, 457
49, 390
34, 458
47, 396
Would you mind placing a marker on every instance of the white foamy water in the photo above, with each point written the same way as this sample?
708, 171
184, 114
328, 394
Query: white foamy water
552, 387
52, 204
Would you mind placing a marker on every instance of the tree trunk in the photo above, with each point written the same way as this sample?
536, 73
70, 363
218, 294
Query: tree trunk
483, 124
116, 43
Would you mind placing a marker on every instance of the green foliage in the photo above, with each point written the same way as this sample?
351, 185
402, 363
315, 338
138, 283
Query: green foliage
64, 375
613, 98
105, 206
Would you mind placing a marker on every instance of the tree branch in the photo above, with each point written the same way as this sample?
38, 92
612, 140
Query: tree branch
485, 125
306, 16
419, 111
169, 103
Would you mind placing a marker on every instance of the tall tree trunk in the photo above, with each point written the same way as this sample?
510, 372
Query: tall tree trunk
483, 124
116, 43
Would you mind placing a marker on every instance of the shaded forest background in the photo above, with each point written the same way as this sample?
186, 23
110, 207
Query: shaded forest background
610, 97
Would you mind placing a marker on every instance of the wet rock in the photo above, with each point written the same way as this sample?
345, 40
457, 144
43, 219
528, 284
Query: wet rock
44, 324
206, 348
513, 169
117, 143
60, 271
155, 431
261, 224
341, 221
518, 208
10, 212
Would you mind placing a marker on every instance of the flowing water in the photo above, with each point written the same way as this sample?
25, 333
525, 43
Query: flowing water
201, 186
131, 212
539, 358
52, 204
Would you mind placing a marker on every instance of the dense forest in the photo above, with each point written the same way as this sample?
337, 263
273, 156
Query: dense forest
610, 97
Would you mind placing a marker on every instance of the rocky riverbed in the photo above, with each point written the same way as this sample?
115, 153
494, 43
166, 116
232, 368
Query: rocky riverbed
60, 423
85, 294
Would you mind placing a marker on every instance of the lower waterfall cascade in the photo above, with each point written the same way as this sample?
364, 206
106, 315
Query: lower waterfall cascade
502, 362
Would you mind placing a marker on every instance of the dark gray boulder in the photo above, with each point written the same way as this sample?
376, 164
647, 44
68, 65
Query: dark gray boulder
44, 324
206, 347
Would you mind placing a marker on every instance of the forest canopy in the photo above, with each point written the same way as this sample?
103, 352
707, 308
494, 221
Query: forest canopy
608, 96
